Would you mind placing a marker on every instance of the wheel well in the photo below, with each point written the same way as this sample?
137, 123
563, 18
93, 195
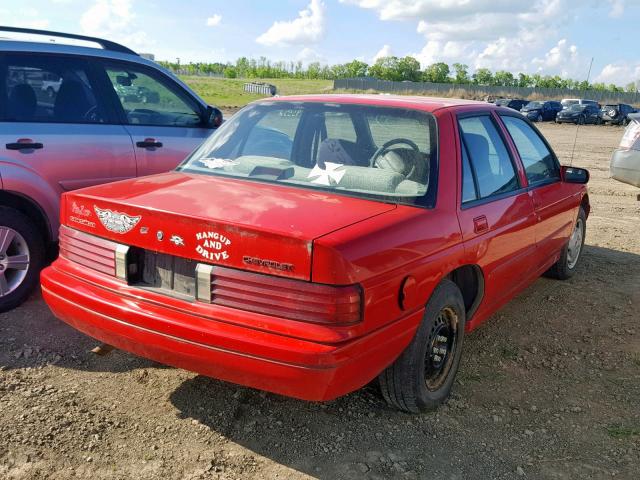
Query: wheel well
29, 208
470, 281
586, 206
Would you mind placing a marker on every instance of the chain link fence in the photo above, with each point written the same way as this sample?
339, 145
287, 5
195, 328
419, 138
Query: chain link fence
480, 91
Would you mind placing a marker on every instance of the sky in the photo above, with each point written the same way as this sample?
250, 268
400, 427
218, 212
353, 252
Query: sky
555, 37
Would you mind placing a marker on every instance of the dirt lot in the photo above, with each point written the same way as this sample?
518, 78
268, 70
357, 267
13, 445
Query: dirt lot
548, 388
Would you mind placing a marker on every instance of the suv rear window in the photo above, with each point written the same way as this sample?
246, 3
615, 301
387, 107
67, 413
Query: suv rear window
370, 151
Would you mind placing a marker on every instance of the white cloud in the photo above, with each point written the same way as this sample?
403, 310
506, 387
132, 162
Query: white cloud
385, 51
308, 55
23, 17
619, 73
513, 35
214, 20
306, 29
114, 20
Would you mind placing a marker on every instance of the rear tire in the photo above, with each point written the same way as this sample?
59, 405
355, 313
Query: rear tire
421, 378
22, 256
570, 256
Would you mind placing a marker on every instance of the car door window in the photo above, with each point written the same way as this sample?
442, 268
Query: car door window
539, 163
50, 89
469, 192
490, 162
147, 99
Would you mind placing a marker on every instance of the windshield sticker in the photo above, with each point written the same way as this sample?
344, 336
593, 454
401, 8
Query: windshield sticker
323, 176
115, 221
217, 162
212, 245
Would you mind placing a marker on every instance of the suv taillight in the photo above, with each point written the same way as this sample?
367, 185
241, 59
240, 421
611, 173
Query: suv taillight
92, 252
279, 297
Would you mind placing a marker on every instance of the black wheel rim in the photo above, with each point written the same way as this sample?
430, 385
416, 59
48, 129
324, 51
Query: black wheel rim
441, 348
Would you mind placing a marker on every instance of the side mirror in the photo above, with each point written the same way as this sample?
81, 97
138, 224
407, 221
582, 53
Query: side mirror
575, 175
214, 117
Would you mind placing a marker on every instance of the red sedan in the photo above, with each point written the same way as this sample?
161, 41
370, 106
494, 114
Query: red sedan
315, 243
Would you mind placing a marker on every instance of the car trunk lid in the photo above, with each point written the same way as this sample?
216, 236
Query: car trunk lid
234, 223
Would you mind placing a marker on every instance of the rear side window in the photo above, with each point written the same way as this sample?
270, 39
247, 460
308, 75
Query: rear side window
539, 163
48, 89
491, 164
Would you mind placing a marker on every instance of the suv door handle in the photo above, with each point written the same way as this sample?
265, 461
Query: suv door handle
149, 143
24, 144
480, 224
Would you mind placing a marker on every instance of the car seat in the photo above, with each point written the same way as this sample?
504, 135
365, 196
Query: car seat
22, 103
71, 104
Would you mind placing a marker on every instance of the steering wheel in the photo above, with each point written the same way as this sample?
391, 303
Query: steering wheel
387, 146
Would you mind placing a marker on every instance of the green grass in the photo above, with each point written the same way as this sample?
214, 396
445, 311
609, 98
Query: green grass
618, 431
228, 92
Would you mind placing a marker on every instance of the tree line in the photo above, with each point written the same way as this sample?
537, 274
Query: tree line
388, 68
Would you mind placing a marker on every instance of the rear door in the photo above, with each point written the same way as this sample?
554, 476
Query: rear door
164, 121
68, 136
554, 209
496, 213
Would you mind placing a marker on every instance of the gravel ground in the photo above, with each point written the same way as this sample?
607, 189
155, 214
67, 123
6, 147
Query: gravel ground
548, 388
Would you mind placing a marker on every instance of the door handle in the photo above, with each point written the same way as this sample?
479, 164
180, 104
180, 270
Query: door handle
149, 143
480, 224
24, 144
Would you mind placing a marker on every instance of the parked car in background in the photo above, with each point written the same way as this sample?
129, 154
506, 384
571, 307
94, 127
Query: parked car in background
63, 126
580, 114
50, 84
617, 113
513, 103
625, 161
314, 243
541, 111
567, 102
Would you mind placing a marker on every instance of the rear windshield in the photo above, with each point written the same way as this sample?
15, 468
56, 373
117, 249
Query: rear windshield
376, 152
533, 105
568, 103
577, 107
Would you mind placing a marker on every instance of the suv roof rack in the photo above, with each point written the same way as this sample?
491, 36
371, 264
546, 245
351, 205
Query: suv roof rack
105, 44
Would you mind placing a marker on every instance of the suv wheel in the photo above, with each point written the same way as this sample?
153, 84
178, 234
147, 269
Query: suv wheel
21, 257
581, 120
565, 267
421, 378
539, 119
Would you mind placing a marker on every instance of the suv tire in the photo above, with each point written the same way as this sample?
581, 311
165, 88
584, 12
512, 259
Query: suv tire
22, 257
421, 378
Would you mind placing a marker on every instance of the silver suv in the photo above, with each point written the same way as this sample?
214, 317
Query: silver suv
77, 115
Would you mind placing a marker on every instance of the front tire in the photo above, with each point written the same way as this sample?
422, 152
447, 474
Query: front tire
421, 378
21, 257
570, 256
539, 119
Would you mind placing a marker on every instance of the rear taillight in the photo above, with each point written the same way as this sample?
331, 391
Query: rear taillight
279, 297
92, 252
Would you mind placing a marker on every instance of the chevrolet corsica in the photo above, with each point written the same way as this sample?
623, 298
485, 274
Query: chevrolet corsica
315, 243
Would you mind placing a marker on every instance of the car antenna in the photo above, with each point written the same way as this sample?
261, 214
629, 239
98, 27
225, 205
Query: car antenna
575, 138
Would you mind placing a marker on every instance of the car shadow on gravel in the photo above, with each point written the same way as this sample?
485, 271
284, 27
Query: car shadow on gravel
491, 409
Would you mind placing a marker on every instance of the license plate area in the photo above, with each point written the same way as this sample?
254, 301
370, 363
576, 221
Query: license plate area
166, 274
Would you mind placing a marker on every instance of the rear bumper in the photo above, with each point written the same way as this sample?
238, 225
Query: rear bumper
625, 166
210, 345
